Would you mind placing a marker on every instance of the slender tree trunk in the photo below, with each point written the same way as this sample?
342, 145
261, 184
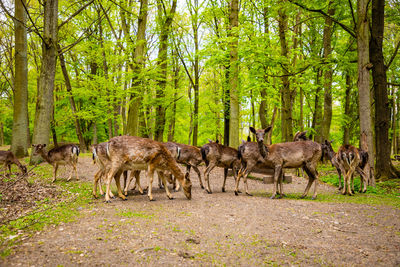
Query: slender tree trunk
71, 100
171, 130
139, 53
269, 136
384, 168
1, 134
227, 104
286, 109
326, 121
363, 82
346, 126
44, 104
234, 74
317, 117
394, 122
95, 141
20, 136
196, 89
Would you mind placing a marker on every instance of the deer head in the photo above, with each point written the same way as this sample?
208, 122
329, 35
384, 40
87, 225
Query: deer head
260, 135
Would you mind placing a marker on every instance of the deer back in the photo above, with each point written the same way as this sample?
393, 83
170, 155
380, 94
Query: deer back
348, 156
64, 153
249, 154
294, 154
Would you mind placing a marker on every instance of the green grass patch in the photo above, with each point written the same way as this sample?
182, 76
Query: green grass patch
65, 208
131, 214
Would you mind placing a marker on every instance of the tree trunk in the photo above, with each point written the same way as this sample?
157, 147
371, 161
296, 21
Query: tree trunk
363, 81
1, 134
326, 121
67, 81
227, 105
286, 109
394, 122
234, 74
139, 53
171, 130
20, 136
95, 141
44, 104
384, 168
317, 116
269, 135
346, 126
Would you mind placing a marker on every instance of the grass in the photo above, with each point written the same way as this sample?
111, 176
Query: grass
74, 196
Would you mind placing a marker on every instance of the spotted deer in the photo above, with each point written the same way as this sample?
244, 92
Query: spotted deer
100, 158
62, 155
7, 158
143, 154
304, 154
217, 155
349, 160
188, 155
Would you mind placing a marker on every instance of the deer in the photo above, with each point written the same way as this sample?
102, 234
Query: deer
187, 155
100, 158
143, 154
304, 154
329, 153
350, 160
217, 155
7, 158
62, 155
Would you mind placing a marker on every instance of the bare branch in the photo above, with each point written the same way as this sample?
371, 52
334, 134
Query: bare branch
394, 55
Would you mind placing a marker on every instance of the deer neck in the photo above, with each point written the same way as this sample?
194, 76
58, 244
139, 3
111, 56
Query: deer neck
263, 149
45, 156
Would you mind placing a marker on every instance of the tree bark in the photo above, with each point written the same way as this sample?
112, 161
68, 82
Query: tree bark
234, 74
363, 81
384, 168
328, 72
137, 68
317, 117
20, 136
44, 104
166, 21
346, 126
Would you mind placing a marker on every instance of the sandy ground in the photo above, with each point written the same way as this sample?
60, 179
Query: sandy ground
217, 229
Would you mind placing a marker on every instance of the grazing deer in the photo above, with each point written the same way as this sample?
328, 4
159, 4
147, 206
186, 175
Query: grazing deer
187, 155
304, 154
349, 160
62, 155
217, 155
100, 158
329, 153
143, 154
7, 158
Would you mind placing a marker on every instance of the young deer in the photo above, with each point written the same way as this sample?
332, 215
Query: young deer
143, 154
217, 155
349, 160
188, 155
7, 158
101, 159
62, 155
328, 152
304, 154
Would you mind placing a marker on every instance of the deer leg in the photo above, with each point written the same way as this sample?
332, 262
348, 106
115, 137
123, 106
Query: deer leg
117, 178
55, 172
225, 175
340, 177
363, 179
348, 183
198, 174
239, 175
137, 182
95, 182
109, 177
207, 177
9, 168
161, 175
281, 184
127, 182
245, 183
150, 176
311, 177
277, 172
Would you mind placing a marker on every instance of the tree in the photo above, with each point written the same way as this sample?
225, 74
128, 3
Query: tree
20, 137
44, 104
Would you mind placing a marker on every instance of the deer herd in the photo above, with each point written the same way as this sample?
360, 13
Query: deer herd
135, 154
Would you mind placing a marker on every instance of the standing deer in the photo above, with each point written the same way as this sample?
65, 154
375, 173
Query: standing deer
332, 156
217, 155
62, 155
304, 154
349, 159
188, 155
7, 158
143, 154
101, 159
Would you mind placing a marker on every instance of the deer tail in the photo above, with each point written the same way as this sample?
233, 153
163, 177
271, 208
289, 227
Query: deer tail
94, 154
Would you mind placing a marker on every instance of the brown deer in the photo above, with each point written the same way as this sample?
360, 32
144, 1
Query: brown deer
62, 155
7, 158
100, 158
349, 160
329, 153
187, 155
143, 154
304, 154
217, 155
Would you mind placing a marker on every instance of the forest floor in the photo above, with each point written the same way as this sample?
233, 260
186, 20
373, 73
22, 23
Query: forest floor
216, 229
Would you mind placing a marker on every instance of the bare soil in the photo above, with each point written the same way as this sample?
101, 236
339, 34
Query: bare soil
217, 229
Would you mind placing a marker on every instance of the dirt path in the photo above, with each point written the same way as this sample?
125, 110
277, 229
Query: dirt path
218, 229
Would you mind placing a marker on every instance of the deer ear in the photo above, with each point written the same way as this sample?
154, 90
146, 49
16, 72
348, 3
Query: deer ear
44, 145
209, 140
252, 130
217, 141
266, 130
